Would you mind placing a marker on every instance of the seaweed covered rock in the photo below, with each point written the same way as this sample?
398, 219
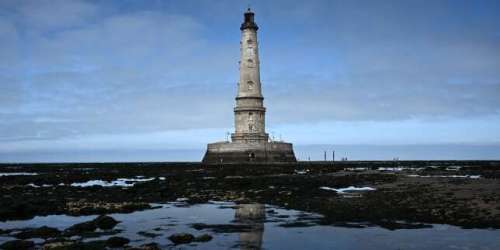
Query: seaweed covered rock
203, 238
181, 238
93, 245
41, 232
117, 241
84, 227
61, 244
150, 246
105, 222
17, 245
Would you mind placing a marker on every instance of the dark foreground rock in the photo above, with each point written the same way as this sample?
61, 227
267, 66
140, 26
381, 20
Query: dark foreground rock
224, 228
17, 245
65, 244
148, 234
81, 228
394, 225
103, 222
60, 244
117, 242
181, 238
92, 245
100, 207
3, 231
150, 246
297, 224
203, 238
41, 232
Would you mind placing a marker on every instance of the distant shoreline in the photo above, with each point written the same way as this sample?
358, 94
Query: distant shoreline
299, 163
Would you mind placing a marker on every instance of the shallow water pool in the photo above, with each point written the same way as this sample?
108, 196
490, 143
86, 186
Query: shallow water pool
267, 232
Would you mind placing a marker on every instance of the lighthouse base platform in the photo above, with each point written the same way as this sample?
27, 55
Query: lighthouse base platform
249, 152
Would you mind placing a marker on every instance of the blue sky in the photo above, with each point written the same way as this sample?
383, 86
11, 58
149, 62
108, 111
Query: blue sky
156, 80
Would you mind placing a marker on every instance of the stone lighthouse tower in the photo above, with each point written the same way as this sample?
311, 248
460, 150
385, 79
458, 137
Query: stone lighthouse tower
249, 142
249, 113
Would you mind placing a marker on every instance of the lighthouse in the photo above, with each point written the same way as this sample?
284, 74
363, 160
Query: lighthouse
249, 143
249, 113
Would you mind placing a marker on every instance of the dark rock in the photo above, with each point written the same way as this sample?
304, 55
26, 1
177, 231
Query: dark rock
2, 231
60, 244
92, 245
346, 225
181, 238
96, 234
227, 207
80, 228
88, 208
271, 211
105, 222
203, 238
393, 225
224, 228
17, 245
148, 234
41, 232
282, 216
296, 224
102, 222
117, 241
150, 246
129, 208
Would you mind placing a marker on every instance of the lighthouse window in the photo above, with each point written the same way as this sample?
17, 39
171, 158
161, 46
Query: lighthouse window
250, 85
249, 41
250, 51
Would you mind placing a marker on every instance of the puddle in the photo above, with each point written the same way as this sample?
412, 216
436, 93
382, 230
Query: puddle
38, 186
356, 169
256, 226
398, 169
348, 189
17, 174
120, 182
445, 176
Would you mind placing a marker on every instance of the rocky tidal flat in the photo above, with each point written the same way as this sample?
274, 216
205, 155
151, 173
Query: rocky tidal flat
170, 205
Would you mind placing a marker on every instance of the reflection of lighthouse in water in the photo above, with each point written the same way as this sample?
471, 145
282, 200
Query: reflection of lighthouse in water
254, 215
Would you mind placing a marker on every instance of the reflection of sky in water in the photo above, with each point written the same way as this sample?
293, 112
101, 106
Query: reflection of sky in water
173, 219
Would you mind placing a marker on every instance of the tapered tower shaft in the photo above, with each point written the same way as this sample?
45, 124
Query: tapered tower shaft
250, 142
249, 113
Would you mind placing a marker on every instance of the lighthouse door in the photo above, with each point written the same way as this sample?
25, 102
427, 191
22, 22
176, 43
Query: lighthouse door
251, 156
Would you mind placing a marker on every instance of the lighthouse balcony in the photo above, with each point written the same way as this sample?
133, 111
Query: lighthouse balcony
250, 137
245, 109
